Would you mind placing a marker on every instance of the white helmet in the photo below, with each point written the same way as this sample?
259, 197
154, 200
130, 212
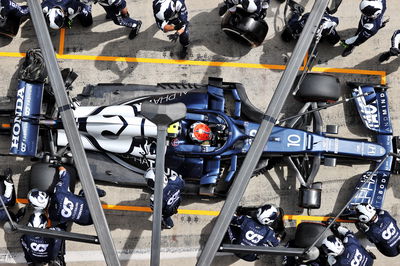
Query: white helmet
332, 246
55, 18
371, 8
365, 212
39, 199
37, 220
150, 177
267, 214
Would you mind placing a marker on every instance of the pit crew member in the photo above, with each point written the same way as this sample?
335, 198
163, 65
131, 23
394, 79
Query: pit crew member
394, 49
118, 12
64, 205
380, 228
60, 14
38, 249
172, 15
343, 248
370, 22
256, 8
8, 196
10, 8
173, 186
247, 231
297, 22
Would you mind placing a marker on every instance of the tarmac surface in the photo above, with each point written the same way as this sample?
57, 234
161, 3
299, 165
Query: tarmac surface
103, 54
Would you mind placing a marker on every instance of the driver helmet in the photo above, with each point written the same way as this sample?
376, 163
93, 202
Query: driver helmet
365, 212
267, 214
200, 132
371, 8
37, 220
55, 17
332, 246
150, 177
38, 199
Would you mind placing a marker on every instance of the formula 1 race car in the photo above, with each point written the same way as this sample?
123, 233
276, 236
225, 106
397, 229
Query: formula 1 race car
207, 147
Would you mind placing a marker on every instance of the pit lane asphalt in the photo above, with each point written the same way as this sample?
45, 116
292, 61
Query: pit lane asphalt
102, 53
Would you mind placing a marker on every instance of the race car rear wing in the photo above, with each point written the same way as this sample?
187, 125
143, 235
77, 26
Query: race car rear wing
25, 130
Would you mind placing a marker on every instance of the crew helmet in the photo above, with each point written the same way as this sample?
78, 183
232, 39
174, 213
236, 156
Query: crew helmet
365, 212
332, 245
38, 199
267, 214
150, 177
371, 8
200, 132
37, 220
55, 17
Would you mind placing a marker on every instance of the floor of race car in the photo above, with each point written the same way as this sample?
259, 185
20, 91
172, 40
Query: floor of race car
103, 53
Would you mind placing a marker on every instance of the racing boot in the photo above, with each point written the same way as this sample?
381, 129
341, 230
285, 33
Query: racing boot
167, 223
383, 57
135, 31
295, 7
348, 48
183, 53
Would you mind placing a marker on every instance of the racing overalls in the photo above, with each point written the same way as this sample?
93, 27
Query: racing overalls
367, 27
67, 207
383, 232
72, 8
10, 8
245, 231
255, 7
113, 9
354, 253
328, 26
167, 15
7, 198
171, 199
38, 249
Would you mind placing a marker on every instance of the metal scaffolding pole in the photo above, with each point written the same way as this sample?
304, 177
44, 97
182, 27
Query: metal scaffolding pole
274, 108
162, 115
74, 140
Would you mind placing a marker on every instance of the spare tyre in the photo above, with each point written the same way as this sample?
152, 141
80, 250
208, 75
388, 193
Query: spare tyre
243, 28
318, 87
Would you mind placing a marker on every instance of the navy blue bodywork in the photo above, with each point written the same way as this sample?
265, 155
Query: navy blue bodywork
206, 164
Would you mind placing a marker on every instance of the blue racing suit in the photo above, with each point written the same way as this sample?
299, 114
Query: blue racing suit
113, 9
354, 253
67, 207
250, 6
10, 8
8, 198
40, 249
383, 232
171, 196
73, 8
367, 27
245, 231
328, 23
165, 15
